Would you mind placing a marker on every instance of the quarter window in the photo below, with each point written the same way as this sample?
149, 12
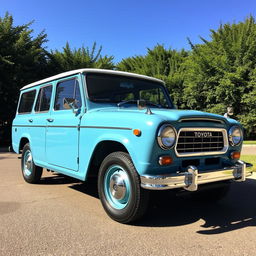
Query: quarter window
44, 99
67, 92
26, 102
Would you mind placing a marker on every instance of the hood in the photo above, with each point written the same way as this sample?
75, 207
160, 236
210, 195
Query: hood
166, 114
177, 115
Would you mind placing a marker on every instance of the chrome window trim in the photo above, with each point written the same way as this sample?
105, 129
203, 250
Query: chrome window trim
225, 140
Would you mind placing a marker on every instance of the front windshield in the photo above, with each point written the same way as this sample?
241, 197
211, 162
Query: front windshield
117, 89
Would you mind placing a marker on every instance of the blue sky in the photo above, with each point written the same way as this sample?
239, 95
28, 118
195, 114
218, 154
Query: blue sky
126, 28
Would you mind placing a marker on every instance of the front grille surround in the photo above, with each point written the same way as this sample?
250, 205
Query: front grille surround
216, 151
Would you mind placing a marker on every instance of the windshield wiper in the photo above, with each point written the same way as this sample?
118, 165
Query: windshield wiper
125, 102
147, 102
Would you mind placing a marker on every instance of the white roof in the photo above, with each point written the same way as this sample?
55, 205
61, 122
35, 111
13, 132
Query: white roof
87, 70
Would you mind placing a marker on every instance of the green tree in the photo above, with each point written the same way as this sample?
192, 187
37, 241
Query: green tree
162, 63
23, 59
221, 72
83, 57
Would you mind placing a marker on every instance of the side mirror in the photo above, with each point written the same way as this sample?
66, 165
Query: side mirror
141, 104
70, 103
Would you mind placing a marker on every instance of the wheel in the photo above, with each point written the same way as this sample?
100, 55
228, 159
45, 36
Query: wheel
119, 188
212, 194
31, 173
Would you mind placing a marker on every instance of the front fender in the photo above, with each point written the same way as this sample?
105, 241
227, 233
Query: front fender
124, 140
90, 138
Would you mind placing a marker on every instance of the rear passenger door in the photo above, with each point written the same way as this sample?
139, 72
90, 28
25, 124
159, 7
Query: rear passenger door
38, 121
62, 133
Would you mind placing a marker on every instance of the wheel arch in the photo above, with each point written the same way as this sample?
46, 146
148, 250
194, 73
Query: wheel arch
23, 141
101, 150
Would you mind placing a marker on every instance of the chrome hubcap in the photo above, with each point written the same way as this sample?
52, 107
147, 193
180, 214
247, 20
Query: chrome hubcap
27, 167
117, 186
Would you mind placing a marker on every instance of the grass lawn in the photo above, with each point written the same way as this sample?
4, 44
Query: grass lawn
251, 142
250, 159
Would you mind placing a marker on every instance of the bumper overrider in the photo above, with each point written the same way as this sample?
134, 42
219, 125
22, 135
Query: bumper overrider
190, 179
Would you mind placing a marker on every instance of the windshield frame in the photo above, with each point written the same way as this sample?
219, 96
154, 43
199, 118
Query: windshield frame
98, 101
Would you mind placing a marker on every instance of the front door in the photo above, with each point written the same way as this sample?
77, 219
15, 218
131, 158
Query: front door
62, 133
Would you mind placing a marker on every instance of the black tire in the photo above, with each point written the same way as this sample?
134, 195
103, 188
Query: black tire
214, 194
135, 199
10, 148
31, 173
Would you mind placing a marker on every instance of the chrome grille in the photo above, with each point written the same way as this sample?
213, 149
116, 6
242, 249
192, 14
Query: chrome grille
201, 141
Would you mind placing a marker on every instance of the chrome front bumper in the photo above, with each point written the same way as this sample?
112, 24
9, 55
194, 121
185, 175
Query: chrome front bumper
190, 179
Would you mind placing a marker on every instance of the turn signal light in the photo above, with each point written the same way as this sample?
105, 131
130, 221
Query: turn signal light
137, 132
165, 160
235, 155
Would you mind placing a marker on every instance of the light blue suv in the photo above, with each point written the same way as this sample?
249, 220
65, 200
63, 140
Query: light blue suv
123, 129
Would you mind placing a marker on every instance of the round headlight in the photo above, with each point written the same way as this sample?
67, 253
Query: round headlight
166, 136
235, 135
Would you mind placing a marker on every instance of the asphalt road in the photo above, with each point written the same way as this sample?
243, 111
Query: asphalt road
62, 216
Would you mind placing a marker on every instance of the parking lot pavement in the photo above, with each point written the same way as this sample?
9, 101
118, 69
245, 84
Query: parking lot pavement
62, 216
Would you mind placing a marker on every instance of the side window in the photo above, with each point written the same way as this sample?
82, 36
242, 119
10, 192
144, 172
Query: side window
26, 102
44, 99
67, 92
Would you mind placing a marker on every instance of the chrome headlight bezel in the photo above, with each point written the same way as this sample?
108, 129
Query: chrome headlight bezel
232, 138
160, 141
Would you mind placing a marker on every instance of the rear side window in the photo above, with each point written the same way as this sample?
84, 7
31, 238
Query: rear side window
44, 99
67, 92
27, 101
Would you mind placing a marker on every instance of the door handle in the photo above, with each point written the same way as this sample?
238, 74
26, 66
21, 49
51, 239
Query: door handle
50, 120
30, 120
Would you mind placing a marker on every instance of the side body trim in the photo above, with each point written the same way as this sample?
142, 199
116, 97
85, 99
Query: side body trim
75, 126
